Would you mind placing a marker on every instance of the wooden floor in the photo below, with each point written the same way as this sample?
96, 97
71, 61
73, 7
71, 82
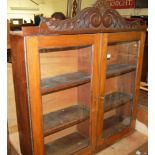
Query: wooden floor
127, 146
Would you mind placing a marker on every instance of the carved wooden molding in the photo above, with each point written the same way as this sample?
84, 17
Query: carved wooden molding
98, 18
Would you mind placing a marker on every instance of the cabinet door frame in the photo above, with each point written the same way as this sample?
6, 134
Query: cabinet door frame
33, 44
110, 38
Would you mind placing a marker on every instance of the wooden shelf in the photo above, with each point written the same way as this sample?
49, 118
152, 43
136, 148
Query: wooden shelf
67, 145
114, 125
119, 69
61, 119
65, 81
115, 100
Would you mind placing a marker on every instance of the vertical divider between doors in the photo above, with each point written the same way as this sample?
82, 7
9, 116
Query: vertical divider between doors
102, 78
95, 87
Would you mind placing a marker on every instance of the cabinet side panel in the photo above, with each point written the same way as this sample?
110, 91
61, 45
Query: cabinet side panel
33, 70
20, 88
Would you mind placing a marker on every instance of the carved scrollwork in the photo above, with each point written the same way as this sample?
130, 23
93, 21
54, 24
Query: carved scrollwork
107, 20
98, 17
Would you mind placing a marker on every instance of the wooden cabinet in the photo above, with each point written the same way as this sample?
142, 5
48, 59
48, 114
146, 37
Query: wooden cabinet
76, 84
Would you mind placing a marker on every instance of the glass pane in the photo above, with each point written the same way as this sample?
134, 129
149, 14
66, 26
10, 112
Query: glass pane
66, 94
119, 87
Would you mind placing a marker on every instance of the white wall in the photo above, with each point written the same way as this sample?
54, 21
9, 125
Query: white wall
47, 8
87, 3
133, 12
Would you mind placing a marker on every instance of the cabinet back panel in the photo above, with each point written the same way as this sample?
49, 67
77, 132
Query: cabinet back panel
59, 100
67, 131
57, 63
62, 62
123, 83
85, 59
84, 95
125, 53
60, 134
84, 128
110, 113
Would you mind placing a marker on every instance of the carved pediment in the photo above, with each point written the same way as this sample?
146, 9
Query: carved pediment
98, 18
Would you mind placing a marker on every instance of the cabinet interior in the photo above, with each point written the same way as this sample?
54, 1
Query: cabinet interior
119, 87
66, 98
